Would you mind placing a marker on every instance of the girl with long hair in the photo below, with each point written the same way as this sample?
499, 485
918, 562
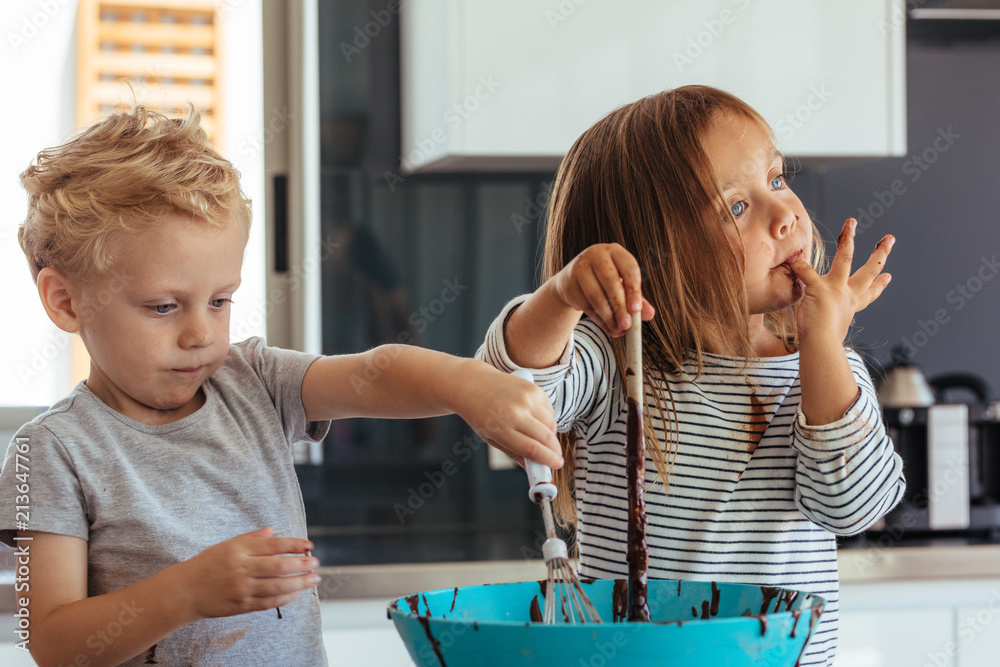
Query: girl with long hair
764, 436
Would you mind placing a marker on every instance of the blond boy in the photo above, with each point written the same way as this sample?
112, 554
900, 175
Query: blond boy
166, 522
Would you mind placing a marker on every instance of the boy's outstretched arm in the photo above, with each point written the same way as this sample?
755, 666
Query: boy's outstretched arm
242, 574
404, 381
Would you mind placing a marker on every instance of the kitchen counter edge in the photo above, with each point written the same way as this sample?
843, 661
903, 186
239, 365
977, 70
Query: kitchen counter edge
857, 566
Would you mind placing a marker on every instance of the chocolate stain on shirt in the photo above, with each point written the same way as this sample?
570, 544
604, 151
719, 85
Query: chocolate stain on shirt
756, 420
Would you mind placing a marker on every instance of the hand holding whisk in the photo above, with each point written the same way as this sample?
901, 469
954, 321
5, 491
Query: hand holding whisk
562, 580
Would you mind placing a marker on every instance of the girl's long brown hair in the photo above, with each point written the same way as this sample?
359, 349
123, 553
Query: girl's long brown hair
640, 178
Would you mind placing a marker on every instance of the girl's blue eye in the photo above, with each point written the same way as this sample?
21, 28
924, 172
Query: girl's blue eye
738, 208
778, 182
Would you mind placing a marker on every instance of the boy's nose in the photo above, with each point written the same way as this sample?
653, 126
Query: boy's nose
196, 333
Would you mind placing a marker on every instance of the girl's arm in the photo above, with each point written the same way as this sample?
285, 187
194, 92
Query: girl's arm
603, 282
848, 474
405, 381
243, 574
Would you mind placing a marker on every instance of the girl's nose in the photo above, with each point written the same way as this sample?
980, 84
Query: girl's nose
783, 220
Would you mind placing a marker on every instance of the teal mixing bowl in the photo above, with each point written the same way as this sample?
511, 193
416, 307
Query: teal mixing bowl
693, 623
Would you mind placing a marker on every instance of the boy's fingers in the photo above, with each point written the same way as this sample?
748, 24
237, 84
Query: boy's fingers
282, 566
530, 446
841, 267
275, 586
274, 546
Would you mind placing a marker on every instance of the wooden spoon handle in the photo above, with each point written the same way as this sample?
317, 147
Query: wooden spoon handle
637, 553
633, 360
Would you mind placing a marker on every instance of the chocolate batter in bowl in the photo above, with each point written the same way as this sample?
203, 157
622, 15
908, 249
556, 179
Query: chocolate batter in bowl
691, 623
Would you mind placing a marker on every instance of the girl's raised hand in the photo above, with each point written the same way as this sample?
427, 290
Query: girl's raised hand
604, 281
831, 300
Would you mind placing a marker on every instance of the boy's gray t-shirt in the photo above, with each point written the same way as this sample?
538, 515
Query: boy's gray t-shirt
148, 497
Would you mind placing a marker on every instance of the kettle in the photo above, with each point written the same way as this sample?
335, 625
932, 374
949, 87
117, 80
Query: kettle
903, 384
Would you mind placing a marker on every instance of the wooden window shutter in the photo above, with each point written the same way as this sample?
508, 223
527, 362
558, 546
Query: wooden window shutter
168, 50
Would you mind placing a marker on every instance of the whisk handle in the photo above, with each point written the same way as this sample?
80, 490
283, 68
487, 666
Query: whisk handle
539, 476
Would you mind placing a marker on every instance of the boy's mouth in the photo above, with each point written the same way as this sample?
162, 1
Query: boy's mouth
189, 371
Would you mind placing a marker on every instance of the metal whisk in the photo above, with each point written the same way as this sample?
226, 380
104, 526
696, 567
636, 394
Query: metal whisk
562, 580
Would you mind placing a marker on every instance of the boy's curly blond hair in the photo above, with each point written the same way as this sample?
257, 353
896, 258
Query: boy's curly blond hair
125, 173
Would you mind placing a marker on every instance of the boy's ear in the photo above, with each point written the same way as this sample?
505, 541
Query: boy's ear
60, 298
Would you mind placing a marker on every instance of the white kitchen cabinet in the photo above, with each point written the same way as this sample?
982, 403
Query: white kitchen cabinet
896, 638
510, 85
978, 632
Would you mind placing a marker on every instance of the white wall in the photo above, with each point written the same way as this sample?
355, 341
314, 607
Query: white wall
37, 62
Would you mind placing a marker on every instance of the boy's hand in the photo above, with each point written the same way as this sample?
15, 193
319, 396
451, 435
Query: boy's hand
509, 413
831, 301
604, 281
248, 573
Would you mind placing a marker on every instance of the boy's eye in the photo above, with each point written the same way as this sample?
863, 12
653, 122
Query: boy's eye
738, 208
161, 308
219, 303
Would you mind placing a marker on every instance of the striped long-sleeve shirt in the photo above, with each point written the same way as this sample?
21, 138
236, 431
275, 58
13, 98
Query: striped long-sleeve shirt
756, 495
